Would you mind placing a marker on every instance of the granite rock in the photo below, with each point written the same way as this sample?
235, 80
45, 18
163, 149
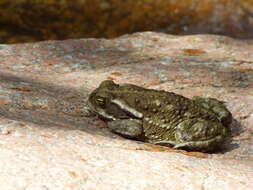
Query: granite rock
48, 139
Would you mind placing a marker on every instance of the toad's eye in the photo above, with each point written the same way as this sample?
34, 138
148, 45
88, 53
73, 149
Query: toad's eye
100, 101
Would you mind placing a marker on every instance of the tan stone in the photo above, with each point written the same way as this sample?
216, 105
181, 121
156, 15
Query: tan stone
48, 140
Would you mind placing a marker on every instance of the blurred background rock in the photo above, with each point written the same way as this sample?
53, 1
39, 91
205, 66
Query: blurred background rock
36, 20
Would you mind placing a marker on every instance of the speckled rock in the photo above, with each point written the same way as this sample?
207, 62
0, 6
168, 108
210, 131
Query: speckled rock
48, 139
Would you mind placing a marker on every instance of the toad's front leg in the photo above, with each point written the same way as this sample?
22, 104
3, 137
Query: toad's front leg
130, 128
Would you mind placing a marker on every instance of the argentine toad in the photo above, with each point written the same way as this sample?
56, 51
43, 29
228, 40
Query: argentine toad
160, 117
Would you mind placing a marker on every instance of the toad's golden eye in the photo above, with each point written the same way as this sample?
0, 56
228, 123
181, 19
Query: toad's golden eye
100, 101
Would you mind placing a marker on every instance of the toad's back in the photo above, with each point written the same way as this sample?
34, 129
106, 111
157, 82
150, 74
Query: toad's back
150, 102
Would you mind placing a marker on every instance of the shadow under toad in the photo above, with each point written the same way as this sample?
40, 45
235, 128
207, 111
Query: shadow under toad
235, 129
32, 101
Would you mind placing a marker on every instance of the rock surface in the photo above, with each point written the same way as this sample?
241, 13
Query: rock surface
48, 140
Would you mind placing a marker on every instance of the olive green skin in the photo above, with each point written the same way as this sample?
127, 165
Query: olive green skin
160, 117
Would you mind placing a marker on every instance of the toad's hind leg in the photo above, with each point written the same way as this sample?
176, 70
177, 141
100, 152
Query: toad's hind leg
199, 135
217, 107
